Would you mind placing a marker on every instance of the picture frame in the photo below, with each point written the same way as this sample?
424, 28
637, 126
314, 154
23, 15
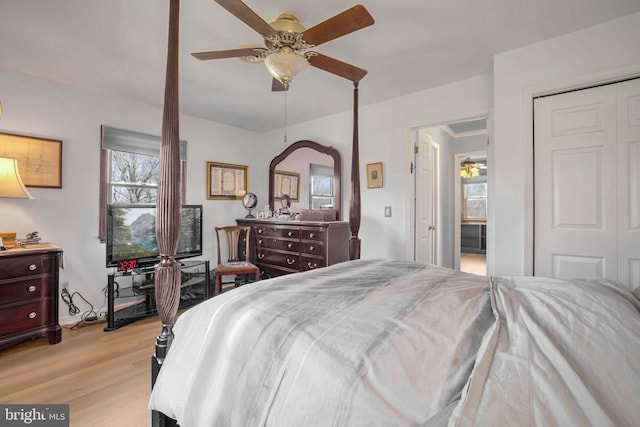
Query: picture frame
226, 181
39, 159
286, 183
374, 175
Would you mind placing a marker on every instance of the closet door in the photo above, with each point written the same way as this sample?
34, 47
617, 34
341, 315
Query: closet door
629, 183
586, 211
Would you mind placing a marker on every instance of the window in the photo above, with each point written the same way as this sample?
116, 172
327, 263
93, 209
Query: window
321, 187
474, 199
132, 178
129, 170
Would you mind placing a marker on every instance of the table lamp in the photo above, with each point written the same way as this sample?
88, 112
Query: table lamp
11, 186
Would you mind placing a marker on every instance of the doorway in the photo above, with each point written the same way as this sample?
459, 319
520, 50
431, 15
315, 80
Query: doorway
435, 214
472, 205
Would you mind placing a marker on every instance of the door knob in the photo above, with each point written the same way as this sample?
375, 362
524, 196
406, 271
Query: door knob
432, 227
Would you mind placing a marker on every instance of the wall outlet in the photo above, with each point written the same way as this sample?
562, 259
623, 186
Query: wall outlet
387, 211
64, 285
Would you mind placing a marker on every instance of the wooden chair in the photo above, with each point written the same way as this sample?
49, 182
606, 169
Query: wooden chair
233, 265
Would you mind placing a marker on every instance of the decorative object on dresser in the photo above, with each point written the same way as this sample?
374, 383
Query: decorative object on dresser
284, 247
242, 269
29, 294
249, 201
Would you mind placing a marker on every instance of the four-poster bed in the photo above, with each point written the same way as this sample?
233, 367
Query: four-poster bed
387, 342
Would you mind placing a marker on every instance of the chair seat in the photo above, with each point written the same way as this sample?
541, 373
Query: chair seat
239, 267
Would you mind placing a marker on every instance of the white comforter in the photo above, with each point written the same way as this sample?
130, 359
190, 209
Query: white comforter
393, 343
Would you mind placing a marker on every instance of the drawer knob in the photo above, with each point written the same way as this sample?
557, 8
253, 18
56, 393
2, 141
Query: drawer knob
311, 248
260, 241
311, 267
32, 288
260, 230
260, 256
33, 267
290, 233
33, 315
290, 261
290, 245
312, 235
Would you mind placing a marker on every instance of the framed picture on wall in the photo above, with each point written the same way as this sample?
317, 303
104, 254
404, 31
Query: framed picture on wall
286, 183
374, 175
226, 181
39, 159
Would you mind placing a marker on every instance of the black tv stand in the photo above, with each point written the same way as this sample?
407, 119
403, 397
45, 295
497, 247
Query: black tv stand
131, 294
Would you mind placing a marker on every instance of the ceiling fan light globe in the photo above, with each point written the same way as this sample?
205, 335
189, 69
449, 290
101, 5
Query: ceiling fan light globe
285, 65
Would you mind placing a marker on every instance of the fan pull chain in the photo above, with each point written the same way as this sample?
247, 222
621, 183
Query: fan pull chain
285, 117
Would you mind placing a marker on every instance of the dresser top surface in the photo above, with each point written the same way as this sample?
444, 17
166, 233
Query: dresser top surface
292, 222
38, 248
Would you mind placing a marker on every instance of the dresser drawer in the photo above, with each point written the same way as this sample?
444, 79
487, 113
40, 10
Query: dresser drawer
278, 243
311, 263
277, 231
291, 261
23, 317
29, 265
25, 289
312, 234
269, 271
312, 248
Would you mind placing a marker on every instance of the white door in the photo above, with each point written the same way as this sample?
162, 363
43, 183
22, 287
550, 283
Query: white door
426, 161
584, 202
629, 183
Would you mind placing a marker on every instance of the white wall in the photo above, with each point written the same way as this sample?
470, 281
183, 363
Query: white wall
68, 217
592, 55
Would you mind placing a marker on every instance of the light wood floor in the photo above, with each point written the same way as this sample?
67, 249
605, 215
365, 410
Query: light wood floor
473, 263
103, 376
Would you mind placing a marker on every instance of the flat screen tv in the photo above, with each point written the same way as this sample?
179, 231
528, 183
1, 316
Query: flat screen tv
131, 235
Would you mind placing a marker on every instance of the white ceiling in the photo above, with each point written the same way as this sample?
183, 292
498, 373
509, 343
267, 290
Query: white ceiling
119, 47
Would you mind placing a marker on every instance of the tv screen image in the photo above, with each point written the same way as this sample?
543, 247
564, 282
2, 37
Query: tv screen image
131, 234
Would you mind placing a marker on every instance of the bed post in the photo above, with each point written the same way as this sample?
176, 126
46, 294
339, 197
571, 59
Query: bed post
354, 204
167, 271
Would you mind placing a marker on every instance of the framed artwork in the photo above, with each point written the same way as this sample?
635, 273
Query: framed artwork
39, 159
374, 175
286, 183
226, 181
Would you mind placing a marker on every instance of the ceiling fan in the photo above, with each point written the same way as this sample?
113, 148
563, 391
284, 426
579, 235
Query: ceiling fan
288, 42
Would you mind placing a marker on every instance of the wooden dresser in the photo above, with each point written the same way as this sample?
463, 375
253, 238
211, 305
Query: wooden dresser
284, 247
29, 294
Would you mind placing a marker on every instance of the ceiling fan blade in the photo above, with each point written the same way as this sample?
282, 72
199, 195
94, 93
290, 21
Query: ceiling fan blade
277, 86
339, 68
229, 53
248, 16
346, 22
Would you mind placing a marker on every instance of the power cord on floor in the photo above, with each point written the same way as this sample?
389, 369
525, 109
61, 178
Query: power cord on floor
88, 317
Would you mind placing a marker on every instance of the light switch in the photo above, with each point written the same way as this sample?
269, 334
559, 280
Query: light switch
387, 211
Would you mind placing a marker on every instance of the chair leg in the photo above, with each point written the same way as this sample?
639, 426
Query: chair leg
218, 288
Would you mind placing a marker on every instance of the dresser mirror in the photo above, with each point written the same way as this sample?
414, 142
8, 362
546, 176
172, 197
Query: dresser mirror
310, 174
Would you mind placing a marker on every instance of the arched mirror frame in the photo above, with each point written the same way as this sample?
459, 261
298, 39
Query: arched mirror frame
337, 170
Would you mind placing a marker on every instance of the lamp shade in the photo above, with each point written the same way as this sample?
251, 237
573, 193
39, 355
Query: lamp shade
10, 183
285, 65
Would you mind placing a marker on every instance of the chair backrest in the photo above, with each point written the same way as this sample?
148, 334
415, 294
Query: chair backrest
233, 233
